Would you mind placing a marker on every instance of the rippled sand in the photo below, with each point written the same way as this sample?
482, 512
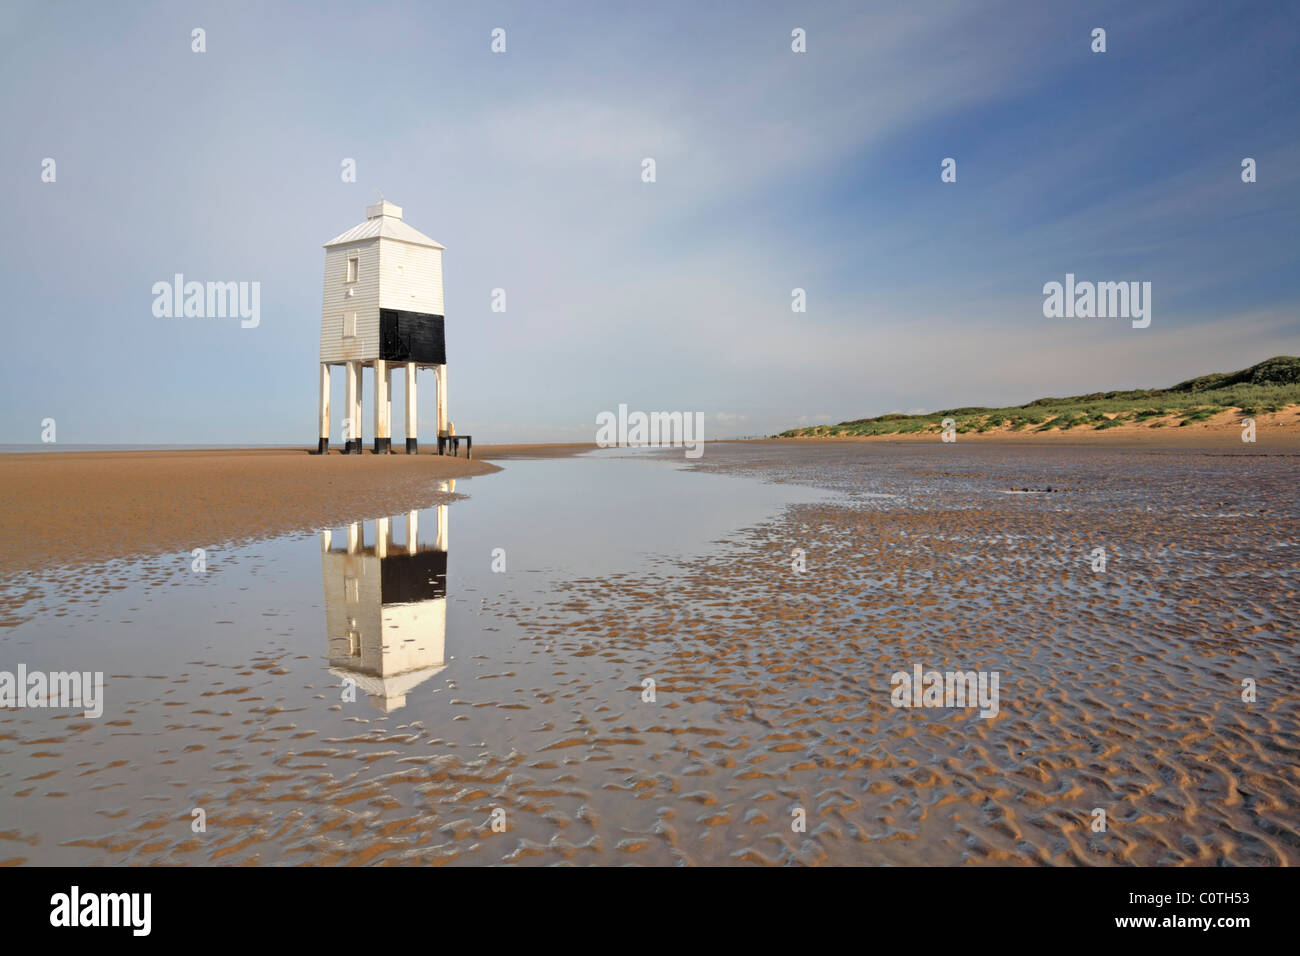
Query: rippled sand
1119, 690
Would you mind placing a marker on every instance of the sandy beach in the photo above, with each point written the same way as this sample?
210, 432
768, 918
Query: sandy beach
860, 435
92, 506
76, 507
1119, 690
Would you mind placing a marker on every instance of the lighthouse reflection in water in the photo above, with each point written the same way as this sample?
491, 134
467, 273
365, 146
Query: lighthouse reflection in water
386, 604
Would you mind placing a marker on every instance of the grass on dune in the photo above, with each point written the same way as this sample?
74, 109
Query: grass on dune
1267, 387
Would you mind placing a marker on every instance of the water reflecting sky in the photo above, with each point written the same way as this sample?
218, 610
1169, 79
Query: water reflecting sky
212, 678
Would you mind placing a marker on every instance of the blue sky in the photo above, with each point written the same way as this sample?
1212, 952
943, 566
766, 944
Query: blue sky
775, 170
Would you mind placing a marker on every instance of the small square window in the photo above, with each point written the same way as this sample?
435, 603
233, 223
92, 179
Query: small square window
353, 264
349, 325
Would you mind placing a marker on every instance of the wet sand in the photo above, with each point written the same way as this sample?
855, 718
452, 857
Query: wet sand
67, 508
151, 502
1120, 690
545, 450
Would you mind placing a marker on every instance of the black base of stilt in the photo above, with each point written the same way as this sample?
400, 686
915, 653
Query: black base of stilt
382, 445
353, 447
323, 446
412, 446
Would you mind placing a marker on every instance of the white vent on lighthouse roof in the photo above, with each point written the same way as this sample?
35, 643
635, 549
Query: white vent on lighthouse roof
384, 208
384, 221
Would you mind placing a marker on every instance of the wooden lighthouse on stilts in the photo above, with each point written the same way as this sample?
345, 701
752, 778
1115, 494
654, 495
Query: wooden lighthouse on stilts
382, 309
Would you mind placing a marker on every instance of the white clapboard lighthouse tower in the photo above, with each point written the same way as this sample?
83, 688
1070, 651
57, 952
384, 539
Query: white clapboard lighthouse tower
382, 308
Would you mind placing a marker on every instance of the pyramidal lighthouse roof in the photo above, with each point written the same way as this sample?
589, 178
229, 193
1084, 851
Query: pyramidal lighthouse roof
384, 221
